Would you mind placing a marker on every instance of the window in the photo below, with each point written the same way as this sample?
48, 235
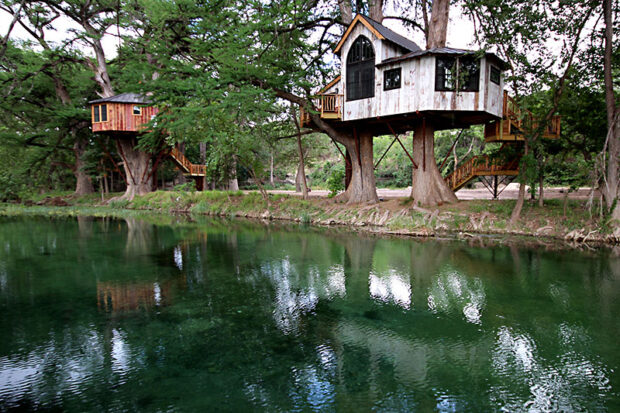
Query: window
100, 113
445, 73
137, 110
361, 70
469, 74
495, 75
391, 79
457, 73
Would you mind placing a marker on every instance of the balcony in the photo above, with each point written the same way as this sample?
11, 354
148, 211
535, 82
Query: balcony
329, 106
516, 122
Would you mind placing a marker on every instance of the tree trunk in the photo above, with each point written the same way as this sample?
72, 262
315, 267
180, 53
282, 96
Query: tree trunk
438, 28
202, 146
302, 170
428, 186
376, 10
233, 183
136, 165
346, 11
83, 185
516, 212
271, 181
610, 191
362, 188
298, 178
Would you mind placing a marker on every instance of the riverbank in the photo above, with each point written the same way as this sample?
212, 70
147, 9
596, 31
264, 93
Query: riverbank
568, 220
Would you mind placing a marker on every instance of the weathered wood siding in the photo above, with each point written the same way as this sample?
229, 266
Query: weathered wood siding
494, 97
122, 119
361, 108
417, 91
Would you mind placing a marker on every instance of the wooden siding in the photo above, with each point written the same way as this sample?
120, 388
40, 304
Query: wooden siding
417, 91
122, 119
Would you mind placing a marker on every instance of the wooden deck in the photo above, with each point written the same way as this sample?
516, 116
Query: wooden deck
515, 122
329, 106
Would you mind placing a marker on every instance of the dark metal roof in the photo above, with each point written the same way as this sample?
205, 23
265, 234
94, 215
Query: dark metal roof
442, 51
136, 98
392, 36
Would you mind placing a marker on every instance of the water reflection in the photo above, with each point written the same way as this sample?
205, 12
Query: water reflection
102, 314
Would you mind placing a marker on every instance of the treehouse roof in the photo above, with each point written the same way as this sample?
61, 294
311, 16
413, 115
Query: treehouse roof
135, 98
380, 31
441, 51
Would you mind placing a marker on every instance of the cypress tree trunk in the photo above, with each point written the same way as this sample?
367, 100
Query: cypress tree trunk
233, 183
136, 165
428, 186
362, 188
84, 184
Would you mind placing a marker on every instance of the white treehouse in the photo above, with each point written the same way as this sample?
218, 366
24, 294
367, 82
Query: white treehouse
389, 85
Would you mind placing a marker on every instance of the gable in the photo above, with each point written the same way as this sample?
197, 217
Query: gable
380, 32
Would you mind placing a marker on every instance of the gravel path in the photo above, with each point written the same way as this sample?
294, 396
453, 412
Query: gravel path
511, 192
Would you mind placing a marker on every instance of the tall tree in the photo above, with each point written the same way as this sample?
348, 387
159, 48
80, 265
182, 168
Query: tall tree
611, 187
521, 33
37, 20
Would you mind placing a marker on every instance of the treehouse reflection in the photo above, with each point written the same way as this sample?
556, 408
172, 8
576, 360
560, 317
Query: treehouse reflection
115, 297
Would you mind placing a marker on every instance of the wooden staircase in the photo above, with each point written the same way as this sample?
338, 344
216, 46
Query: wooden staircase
515, 122
509, 129
482, 165
185, 165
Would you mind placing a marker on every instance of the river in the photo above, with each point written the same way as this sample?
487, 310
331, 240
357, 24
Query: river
222, 315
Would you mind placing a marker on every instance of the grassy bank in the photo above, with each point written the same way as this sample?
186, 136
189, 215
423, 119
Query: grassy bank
393, 216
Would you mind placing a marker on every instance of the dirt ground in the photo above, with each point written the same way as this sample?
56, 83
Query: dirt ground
509, 192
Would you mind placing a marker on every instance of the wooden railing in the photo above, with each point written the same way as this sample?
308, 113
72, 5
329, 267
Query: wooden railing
328, 105
523, 119
481, 165
186, 165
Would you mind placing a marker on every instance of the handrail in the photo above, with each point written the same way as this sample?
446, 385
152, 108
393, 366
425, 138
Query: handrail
523, 117
478, 165
181, 159
329, 105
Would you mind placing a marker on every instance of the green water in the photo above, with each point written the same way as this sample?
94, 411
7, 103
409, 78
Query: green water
123, 315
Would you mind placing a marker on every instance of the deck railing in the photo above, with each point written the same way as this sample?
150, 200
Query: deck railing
524, 119
328, 105
188, 167
480, 165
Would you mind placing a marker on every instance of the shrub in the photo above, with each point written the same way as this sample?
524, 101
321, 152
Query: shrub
335, 181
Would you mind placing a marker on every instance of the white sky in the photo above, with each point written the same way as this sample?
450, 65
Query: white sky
460, 32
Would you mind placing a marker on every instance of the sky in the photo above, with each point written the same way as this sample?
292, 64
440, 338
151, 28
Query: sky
460, 32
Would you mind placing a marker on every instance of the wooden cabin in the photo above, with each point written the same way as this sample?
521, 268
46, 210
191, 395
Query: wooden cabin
124, 113
385, 76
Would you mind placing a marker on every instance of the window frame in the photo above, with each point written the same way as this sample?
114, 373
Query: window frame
440, 85
139, 108
495, 70
470, 84
100, 113
386, 75
360, 70
460, 84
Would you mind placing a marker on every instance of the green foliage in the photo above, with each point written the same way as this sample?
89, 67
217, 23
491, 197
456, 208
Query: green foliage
335, 181
189, 186
118, 203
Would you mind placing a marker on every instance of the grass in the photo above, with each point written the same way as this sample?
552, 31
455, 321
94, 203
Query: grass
486, 216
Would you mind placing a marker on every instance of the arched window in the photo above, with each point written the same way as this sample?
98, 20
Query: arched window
361, 70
